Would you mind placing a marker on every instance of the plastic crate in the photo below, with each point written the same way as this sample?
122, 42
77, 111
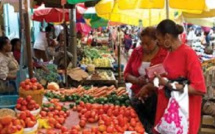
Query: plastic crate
8, 101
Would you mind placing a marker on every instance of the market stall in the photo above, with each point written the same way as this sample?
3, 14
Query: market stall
86, 110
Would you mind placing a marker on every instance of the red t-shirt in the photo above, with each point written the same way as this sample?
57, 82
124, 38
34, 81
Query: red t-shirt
135, 62
184, 62
17, 55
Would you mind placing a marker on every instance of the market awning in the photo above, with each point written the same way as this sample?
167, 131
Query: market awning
204, 14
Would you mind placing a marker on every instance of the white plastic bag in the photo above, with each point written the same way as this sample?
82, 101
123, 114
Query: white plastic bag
176, 117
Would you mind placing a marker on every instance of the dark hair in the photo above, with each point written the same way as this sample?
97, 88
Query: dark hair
149, 31
48, 29
3, 41
170, 27
13, 42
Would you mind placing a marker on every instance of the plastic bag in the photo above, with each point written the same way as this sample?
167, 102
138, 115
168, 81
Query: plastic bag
176, 117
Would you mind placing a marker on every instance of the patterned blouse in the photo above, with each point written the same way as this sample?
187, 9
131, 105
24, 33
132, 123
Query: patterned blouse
8, 65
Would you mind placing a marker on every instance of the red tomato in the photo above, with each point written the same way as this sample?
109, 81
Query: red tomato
102, 128
82, 123
81, 104
30, 123
18, 106
33, 118
23, 108
105, 107
39, 86
63, 129
33, 80
34, 87
110, 129
88, 106
61, 120
37, 106
24, 102
58, 125
28, 98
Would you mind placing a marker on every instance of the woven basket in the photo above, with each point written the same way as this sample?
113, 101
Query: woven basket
37, 95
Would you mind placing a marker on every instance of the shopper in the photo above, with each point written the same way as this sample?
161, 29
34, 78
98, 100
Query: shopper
16, 48
181, 61
148, 54
8, 65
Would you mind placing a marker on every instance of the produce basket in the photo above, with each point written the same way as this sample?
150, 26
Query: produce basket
34, 112
37, 95
32, 130
8, 101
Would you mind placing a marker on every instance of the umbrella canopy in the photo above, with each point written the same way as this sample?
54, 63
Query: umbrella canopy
55, 14
77, 1
185, 5
83, 28
109, 9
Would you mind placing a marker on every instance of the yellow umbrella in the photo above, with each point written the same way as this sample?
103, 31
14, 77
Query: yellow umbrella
108, 9
194, 6
204, 14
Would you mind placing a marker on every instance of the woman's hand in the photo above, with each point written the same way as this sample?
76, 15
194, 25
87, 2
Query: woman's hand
141, 80
162, 81
146, 91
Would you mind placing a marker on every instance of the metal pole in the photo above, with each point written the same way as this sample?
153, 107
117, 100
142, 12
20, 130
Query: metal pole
65, 51
28, 40
73, 41
119, 57
20, 19
167, 9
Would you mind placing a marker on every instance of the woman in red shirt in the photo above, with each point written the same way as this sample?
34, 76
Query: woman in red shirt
148, 54
181, 61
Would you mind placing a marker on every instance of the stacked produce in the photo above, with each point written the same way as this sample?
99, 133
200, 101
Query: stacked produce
91, 53
102, 75
55, 113
27, 104
50, 75
103, 95
110, 118
27, 119
10, 125
31, 84
98, 62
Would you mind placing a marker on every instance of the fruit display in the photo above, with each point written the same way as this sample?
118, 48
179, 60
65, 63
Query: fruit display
102, 62
102, 75
55, 113
31, 84
10, 125
27, 120
27, 104
110, 118
92, 53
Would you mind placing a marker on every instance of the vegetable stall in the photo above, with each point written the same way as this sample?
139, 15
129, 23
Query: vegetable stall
81, 110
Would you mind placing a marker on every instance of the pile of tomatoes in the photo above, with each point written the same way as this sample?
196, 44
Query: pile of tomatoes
26, 104
53, 111
10, 125
110, 118
27, 119
31, 84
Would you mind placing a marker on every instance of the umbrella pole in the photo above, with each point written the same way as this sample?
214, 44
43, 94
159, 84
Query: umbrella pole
65, 51
73, 41
119, 58
167, 9
20, 19
28, 40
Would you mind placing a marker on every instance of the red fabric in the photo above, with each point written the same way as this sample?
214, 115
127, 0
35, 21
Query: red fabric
184, 62
17, 55
183, 38
135, 61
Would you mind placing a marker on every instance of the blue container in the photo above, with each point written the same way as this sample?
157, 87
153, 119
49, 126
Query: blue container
8, 101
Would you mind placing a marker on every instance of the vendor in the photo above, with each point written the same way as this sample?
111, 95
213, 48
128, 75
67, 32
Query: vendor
8, 64
148, 54
16, 48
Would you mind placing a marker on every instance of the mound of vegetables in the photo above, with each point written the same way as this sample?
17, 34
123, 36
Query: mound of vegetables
47, 76
103, 95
